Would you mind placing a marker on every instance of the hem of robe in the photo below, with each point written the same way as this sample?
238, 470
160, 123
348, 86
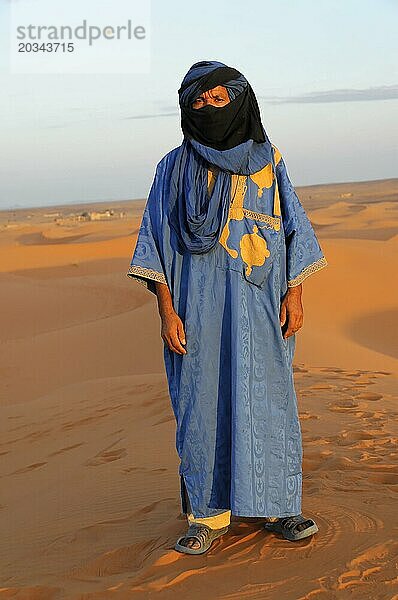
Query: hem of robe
310, 270
216, 522
187, 510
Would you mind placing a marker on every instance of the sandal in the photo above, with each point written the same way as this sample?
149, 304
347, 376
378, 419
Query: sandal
205, 536
289, 527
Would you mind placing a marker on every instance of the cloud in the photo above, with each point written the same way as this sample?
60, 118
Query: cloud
383, 92
153, 116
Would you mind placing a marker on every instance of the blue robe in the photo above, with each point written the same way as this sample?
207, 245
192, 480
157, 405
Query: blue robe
238, 433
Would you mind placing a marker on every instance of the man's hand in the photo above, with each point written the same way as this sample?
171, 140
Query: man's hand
292, 311
172, 327
173, 332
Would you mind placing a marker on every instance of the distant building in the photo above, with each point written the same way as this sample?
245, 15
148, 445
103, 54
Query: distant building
105, 214
90, 216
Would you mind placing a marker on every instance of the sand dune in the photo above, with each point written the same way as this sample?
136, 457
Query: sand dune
378, 221
104, 513
89, 499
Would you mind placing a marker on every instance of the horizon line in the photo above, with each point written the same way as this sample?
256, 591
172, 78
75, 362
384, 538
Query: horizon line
124, 200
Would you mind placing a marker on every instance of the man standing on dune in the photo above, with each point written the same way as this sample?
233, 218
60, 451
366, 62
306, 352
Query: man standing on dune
225, 245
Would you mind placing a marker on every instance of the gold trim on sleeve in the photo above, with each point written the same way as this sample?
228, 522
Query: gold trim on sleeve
313, 268
138, 271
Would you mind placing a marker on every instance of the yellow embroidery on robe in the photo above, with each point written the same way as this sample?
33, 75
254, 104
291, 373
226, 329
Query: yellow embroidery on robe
237, 212
238, 191
272, 222
253, 249
263, 179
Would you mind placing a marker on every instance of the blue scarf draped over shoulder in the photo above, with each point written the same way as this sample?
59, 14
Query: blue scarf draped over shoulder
197, 216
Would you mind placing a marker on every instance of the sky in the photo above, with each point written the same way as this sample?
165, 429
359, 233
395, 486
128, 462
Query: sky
324, 73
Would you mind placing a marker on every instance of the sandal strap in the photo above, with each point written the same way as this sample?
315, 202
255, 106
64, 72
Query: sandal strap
198, 531
290, 523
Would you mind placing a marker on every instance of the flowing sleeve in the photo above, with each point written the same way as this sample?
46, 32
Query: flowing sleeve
147, 265
304, 255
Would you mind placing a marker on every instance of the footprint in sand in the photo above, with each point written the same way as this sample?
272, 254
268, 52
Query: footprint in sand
383, 373
347, 438
364, 382
62, 450
106, 456
343, 406
366, 564
299, 369
84, 421
384, 478
143, 470
304, 416
29, 468
321, 386
368, 396
165, 419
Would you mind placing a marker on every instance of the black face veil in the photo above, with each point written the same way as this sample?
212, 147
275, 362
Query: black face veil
225, 127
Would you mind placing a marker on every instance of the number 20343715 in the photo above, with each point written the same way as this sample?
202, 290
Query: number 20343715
46, 47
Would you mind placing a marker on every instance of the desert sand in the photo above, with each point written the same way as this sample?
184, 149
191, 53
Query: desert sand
89, 495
